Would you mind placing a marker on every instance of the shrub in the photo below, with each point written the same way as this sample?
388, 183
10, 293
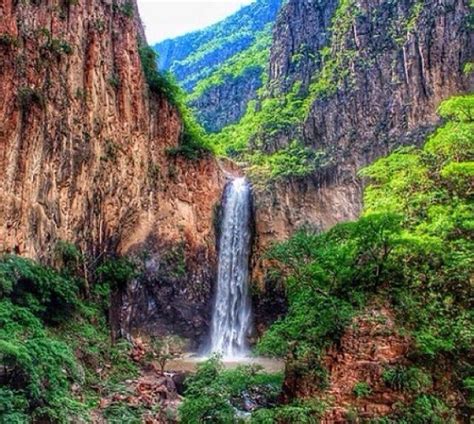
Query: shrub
38, 370
117, 272
294, 161
361, 389
326, 276
114, 275
427, 409
411, 379
205, 401
211, 391
301, 412
68, 255
164, 349
46, 293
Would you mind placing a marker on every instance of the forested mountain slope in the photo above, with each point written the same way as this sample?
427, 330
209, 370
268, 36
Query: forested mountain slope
193, 56
223, 65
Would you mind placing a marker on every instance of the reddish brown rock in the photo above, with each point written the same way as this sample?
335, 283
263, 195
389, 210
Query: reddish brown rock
83, 150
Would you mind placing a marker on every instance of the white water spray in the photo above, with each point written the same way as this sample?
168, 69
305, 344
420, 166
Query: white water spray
232, 311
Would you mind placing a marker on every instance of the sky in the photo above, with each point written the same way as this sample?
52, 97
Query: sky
170, 18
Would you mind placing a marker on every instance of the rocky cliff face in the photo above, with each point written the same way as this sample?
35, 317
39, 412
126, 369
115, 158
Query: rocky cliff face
408, 57
388, 65
224, 104
376, 71
83, 154
367, 348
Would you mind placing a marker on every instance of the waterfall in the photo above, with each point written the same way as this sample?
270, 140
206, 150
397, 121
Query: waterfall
232, 312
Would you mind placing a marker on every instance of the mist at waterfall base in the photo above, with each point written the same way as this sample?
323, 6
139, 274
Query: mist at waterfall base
231, 318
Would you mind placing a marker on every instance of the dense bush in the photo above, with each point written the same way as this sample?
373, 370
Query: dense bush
37, 369
361, 389
211, 391
411, 379
46, 293
294, 161
301, 412
328, 276
50, 340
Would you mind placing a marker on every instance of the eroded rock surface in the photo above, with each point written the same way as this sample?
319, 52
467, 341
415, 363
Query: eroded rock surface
83, 154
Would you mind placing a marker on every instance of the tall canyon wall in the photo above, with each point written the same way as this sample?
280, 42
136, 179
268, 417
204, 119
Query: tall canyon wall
385, 67
83, 155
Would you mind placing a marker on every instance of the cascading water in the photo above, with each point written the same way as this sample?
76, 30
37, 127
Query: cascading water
232, 312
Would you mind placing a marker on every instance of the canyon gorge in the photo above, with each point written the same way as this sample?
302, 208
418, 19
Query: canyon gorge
101, 152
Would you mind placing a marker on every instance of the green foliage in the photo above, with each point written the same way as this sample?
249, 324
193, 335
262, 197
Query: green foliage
256, 56
211, 390
60, 47
56, 46
13, 407
413, 246
409, 379
468, 385
426, 409
268, 117
69, 258
327, 275
301, 412
46, 293
281, 111
361, 389
114, 274
431, 189
468, 68
196, 56
193, 143
117, 272
459, 108
38, 369
205, 400
294, 161
119, 412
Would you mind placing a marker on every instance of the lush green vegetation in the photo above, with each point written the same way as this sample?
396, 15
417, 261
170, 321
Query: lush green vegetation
412, 248
295, 160
193, 143
195, 56
212, 392
215, 47
256, 56
56, 355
